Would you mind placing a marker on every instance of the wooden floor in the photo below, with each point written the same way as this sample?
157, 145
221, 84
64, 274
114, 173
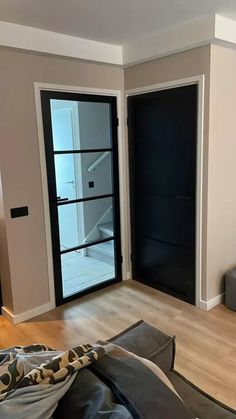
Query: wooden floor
206, 341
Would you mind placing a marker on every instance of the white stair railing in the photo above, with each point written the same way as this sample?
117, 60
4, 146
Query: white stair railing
98, 161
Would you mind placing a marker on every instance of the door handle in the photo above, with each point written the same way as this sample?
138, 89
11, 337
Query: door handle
59, 199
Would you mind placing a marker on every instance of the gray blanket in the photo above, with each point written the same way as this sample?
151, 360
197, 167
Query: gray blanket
115, 385
34, 378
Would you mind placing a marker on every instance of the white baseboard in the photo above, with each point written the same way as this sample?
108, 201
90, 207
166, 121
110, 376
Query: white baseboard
26, 315
208, 305
7, 314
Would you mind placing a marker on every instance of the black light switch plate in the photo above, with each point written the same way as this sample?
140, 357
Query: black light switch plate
19, 212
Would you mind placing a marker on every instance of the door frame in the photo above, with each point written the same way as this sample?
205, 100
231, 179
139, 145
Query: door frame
199, 80
123, 173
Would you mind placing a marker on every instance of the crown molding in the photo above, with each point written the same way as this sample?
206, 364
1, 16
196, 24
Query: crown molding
225, 29
190, 35
213, 29
34, 39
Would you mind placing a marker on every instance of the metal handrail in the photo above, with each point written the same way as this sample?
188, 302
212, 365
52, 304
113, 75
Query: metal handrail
98, 161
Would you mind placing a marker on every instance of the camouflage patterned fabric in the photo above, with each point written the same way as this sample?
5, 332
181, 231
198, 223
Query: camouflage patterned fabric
57, 369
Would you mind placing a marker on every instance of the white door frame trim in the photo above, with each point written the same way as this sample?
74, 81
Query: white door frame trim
123, 173
200, 81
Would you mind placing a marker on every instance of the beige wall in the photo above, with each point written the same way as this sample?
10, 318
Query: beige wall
221, 250
20, 165
178, 66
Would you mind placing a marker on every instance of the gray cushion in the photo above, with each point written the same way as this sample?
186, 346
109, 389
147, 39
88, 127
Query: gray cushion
148, 342
201, 404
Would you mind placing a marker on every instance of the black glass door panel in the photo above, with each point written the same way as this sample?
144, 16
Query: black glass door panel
162, 137
82, 167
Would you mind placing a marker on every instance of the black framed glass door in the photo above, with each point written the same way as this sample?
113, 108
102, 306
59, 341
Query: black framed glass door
80, 133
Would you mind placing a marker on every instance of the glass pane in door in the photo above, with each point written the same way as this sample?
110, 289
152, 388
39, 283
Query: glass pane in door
83, 175
88, 121
85, 222
87, 267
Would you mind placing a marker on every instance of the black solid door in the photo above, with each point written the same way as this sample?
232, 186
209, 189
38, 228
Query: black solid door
162, 139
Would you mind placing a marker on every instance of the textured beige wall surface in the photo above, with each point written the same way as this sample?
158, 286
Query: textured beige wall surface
221, 251
20, 164
174, 67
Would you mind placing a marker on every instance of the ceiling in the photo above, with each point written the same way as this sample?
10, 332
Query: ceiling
113, 21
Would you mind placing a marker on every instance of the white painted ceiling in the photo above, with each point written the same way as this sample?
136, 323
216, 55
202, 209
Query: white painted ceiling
112, 21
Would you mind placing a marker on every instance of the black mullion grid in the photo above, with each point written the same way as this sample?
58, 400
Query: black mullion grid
80, 200
90, 198
92, 150
89, 244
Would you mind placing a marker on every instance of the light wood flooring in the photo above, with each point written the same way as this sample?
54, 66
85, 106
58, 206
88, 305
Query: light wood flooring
206, 341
